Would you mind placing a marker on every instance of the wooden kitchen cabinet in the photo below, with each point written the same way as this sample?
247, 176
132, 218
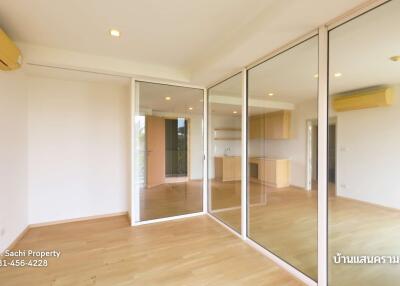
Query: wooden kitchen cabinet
273, 125
271, 172
256, 124
277, 125
227, 168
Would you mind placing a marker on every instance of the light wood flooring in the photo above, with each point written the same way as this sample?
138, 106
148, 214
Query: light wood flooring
282, 220
192, 251
171, 199
285, 222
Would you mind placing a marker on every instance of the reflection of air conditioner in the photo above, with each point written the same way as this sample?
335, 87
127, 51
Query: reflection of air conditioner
376, 97
10, 56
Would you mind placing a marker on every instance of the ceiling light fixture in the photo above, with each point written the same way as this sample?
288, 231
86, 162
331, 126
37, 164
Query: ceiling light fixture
190, 108
234, 112
337, 74
271, 94
115, 33
167, 98
316, 75
395, 58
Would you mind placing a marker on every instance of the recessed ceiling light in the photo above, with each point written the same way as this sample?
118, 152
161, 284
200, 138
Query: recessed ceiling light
234, 112
395, 58
316, 75
167, 98
271, 94
115, 33
190, 108
337, 74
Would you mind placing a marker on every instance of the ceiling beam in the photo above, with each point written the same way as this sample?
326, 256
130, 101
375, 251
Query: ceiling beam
51, 57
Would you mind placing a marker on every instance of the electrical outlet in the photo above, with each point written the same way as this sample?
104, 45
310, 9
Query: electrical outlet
343, 186
2, 231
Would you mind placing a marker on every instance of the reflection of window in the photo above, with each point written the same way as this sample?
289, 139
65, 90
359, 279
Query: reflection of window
176, 147
141, 148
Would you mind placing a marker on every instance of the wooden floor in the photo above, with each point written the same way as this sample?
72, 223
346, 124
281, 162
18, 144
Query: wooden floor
285, 222
171, 199
357, 228
198, 251
192, 251
282, 220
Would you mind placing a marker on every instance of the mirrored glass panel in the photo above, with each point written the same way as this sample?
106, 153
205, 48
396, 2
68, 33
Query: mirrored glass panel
282, 155
364, 149
224, 151
169, 150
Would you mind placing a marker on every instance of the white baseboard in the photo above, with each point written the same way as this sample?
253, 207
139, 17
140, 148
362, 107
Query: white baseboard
16, 240
35, 225
77, 219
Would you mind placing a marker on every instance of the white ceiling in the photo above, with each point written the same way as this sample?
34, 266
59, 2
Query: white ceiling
289, 76
359, 49
205, 39
152, 99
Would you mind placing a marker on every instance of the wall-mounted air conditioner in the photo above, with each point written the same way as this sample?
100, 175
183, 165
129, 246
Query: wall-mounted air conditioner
10, 55
361, 99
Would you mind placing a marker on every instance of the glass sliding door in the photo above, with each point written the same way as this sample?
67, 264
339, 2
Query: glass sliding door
169, 150
282, 155
224, 151
364, 190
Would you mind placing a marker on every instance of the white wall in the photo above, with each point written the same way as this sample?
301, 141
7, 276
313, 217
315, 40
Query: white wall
13, 157
368, 154
78, 159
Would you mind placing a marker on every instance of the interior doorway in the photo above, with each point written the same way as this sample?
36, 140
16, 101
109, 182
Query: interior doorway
167, 150
312, 155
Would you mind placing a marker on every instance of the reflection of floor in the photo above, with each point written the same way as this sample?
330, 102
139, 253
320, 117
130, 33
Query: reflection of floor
358, 228
194, 251
284, 221
287, 225
171, 199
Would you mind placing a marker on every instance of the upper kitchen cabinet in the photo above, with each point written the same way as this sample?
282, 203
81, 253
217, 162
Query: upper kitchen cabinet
277, 125
256, 123
273, 125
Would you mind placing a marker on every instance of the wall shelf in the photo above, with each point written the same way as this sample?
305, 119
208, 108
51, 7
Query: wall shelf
227, 138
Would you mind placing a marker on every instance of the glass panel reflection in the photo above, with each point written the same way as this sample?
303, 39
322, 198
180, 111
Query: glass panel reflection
282, 155
224, 145
169, 150
364, 197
